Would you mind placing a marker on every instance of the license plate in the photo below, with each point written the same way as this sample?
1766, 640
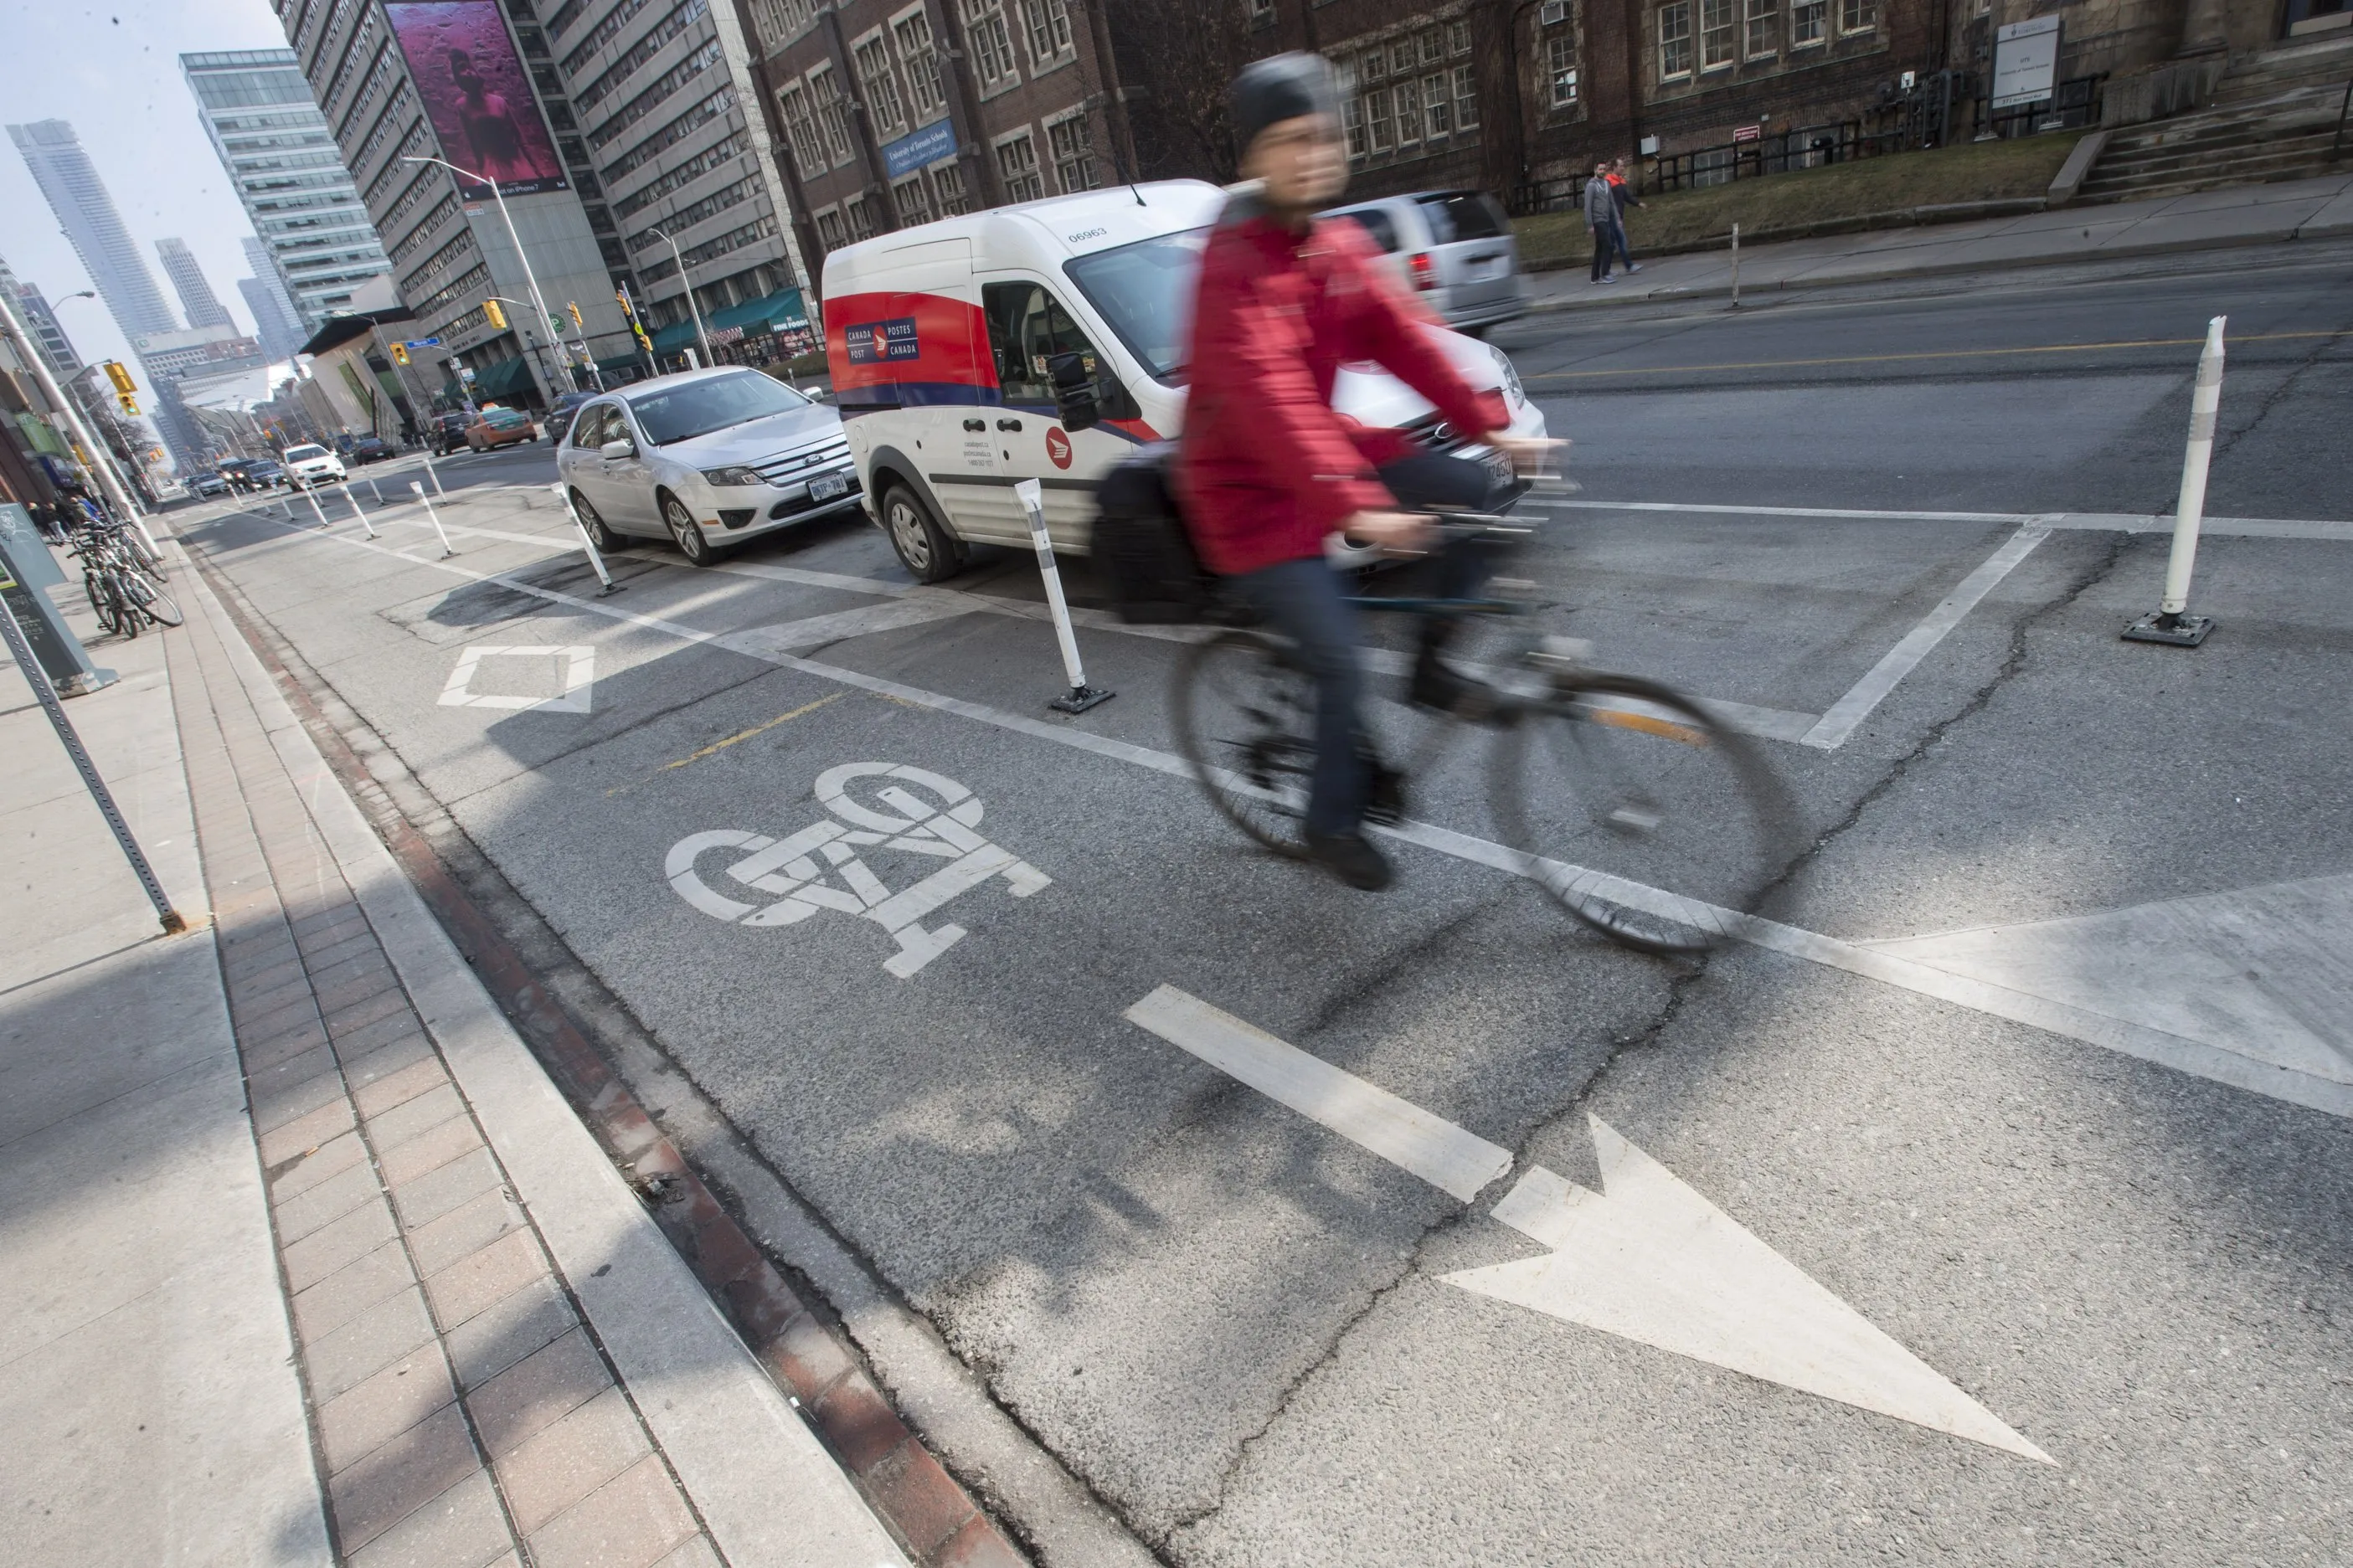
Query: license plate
825, 487
1497, 463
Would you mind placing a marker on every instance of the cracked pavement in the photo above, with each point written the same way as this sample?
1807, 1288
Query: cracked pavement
1225, 1324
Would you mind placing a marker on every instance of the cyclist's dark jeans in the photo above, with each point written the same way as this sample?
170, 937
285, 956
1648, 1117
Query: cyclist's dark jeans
1306, 601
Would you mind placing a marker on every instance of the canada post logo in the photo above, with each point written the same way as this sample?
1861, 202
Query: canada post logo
872, 341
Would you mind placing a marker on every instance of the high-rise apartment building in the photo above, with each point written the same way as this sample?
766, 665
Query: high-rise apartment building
403, 81
282, 157
50, 340
276, 321
86, 212
197, 302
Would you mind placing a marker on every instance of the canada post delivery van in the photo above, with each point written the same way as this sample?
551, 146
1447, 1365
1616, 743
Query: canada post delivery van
963, 352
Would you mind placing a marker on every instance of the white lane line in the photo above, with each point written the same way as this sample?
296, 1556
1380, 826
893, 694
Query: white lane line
2073, 1023
1832, 728
815, 631
2098, 521
1403, 1133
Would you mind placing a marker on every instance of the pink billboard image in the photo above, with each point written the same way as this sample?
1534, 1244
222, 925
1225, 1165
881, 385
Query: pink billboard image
475, 92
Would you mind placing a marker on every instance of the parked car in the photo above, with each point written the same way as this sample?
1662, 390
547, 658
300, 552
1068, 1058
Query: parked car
496, 426
1044, 341
371, 450
448, 433
203, 484
251, 473
308, 465
266, 475
704, 457
1455, 247
557, 422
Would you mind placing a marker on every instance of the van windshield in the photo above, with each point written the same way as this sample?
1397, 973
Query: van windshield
1145, 291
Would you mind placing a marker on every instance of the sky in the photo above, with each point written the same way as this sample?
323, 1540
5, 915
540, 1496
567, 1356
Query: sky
113, 70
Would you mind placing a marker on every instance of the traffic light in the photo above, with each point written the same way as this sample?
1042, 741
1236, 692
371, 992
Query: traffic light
400, 354
130, 404
578, 325
124, 385
495, 314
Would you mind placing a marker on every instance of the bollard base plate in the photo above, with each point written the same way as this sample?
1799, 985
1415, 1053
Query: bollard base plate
2175, 631
1081, 699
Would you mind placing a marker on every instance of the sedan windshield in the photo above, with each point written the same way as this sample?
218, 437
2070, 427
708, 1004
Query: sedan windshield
699, 407
1145, 291
301, 454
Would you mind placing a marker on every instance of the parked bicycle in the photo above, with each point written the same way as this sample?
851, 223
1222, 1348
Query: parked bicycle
1637, 810
123, 577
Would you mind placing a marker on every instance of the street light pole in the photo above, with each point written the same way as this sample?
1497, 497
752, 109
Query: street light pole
101, 453
693, 309
529, 277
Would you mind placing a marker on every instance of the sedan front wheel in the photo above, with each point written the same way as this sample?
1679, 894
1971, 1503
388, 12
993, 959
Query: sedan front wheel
687, 533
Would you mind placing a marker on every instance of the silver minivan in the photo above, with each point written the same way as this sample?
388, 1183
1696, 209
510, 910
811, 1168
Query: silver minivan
1455, 247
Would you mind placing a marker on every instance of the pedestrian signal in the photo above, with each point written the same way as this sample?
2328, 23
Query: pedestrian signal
121, 377
495, 314
400, 354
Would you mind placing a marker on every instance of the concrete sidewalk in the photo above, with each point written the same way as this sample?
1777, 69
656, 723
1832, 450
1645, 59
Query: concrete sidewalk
304, 1257
2203, 220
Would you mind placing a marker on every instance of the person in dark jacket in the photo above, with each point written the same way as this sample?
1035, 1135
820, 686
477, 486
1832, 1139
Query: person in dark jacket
1601, 221
1270, 471
1621, 195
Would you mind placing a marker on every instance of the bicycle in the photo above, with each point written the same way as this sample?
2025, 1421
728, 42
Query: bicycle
1638, 811
115, 578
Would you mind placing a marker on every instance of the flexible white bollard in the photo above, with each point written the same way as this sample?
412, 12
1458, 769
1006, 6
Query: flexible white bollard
2172, 623
312, 495
377, 490
1081, 697
448, 550
1735, 267
432, 473
587, 543
358, 511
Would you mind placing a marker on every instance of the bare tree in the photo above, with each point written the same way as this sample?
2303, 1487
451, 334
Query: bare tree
1183, 54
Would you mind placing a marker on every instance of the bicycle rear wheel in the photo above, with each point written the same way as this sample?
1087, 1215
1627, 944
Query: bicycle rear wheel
103, 602
151, 601
128, 621
1246, 721
1641, 814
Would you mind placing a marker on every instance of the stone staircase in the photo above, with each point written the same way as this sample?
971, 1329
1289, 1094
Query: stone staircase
2273, 116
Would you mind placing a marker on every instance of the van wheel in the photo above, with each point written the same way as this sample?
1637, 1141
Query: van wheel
923, 546
684, 532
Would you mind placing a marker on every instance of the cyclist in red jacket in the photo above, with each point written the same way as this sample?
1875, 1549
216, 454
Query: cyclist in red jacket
1270, 470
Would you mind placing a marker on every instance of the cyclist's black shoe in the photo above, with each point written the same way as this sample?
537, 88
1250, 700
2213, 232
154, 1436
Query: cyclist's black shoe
1350, 857
1384, 794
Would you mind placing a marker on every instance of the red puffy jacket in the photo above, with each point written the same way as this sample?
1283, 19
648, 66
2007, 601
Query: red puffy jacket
1268, 469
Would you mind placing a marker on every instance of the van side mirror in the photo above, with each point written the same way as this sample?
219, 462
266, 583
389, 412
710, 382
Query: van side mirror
1074, 392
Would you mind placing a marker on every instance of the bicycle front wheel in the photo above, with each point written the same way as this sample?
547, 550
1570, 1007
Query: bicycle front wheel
1640, 814
151, 601
103, 603
1245, 721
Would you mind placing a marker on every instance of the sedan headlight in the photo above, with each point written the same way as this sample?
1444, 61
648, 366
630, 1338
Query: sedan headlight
1511, 376
735, 476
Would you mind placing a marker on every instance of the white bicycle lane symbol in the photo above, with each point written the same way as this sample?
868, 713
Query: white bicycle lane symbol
789, 869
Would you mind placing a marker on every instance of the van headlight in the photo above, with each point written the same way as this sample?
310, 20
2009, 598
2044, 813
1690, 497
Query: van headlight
735, 476
1504, 366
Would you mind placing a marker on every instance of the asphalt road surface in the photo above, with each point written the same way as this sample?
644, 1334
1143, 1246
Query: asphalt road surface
1999, 1211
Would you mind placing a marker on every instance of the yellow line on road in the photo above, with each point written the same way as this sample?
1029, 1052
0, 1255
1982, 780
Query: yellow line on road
717, 746
1924, 354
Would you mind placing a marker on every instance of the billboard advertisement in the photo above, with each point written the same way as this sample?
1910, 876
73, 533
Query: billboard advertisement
476, 93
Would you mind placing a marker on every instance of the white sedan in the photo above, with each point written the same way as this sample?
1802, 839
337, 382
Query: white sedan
308, 466
705, 458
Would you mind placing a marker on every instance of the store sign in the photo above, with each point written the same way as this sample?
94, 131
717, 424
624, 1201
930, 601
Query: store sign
918, 149
2025, 62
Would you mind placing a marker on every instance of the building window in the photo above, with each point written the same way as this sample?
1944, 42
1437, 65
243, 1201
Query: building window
1017, 162
881, 85
1675, 40
947, 181
1857, 16
922, 57
862, 221
992, 43
830, 233
1380, 120
1466, 98
1561, 67
1715, 30
1409, 110
1047, 23
1261, 12
1376, 65
825, 98
1351, 108
1437, 105
1809, 19
779, 21
912, 199
1458, 37
1763, 19
1075, 154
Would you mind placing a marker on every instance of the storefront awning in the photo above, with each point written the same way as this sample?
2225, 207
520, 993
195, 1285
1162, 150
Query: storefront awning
504, 379
676, 336
756, 316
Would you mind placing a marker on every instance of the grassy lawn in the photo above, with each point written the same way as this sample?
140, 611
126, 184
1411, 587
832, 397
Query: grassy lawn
1974, 172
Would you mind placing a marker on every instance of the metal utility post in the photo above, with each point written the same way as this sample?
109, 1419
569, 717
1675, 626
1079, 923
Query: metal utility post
529, 277
693, 309
2172, 623
35, 675
19, 341
1081, 697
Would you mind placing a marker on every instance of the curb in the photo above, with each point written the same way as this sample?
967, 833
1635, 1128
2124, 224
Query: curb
927, 1509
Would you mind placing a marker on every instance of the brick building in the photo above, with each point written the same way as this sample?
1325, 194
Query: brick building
886, 113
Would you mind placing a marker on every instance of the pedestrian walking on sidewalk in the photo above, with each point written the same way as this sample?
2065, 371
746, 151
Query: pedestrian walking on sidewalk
1622, 192
1601, 220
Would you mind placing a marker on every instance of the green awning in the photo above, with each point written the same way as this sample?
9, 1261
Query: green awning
504, 379
676, 336
757, 315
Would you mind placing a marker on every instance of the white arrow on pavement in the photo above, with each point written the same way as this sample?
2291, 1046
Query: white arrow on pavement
1646, 1259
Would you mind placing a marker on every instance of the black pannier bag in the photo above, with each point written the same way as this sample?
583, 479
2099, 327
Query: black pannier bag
1141, 549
